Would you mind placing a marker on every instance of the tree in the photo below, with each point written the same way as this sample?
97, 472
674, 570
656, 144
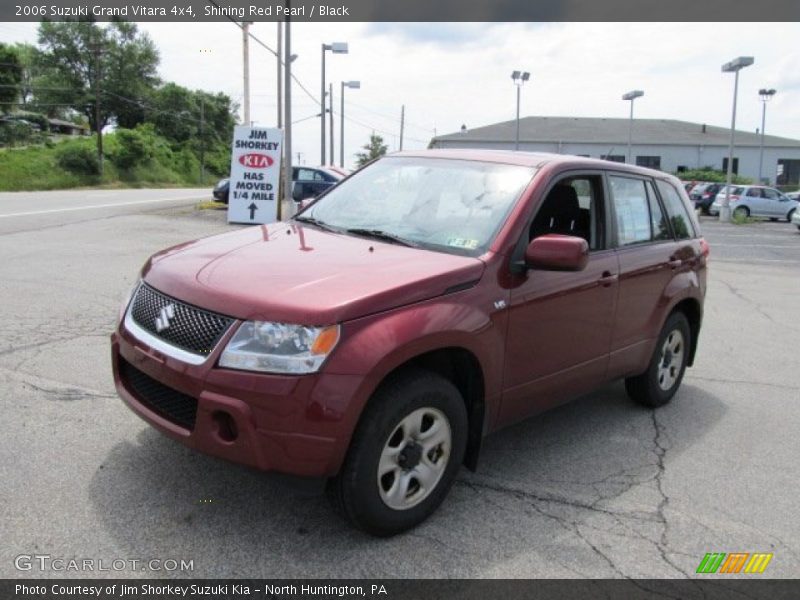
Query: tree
374, 149
80, 59
10, 77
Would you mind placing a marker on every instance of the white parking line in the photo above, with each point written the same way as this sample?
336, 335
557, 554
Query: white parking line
110, 205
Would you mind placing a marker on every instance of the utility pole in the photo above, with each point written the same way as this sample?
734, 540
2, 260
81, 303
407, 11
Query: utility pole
246, 64
330, 119
287, 119
402, 124
280, 85
322, 111
202, 141
96, 48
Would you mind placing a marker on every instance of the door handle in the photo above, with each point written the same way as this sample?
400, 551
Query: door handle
607, 279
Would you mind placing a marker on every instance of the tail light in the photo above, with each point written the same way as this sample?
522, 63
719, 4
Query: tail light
706, 196
734, 197
705, 249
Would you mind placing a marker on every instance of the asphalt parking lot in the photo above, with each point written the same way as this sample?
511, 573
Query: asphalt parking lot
597, 488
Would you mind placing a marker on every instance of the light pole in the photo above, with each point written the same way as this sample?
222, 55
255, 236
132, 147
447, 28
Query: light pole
632, 95
355, 85
336, 48
734, 66
766, 96
519, 79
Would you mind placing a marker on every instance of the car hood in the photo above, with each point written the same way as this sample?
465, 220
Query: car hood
296, 274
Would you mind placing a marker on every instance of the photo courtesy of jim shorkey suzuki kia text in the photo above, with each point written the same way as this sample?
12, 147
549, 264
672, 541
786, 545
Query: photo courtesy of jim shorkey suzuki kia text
133, 11
173, 590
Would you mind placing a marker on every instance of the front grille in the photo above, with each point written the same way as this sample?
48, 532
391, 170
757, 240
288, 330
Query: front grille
189, 328
171, 404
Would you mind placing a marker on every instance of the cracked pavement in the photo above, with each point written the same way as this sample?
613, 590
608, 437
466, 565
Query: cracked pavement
596, 488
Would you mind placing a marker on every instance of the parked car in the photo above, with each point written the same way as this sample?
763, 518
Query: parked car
796, 218
756, 201
703, 195
309, 182
429, 299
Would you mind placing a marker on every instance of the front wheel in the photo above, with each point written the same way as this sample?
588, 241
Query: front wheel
404, 456
658, 384
789, 216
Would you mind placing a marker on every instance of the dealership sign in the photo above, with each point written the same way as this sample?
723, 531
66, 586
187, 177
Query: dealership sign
255, 174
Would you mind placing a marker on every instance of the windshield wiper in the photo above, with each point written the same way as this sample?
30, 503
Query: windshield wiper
382, 235
317, 222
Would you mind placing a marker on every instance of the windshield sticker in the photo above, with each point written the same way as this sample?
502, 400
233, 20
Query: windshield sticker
467, 243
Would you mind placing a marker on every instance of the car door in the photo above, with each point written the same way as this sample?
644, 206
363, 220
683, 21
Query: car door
560, 323
755, 201
775, 203
648, 259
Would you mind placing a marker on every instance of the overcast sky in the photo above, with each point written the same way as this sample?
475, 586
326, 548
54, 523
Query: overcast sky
450, 74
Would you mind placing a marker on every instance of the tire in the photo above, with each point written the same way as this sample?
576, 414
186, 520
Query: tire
658, 384
741, 211
789, 216
413, 429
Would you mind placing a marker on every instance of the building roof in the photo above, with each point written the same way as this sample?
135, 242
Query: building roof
612, 131
61, 123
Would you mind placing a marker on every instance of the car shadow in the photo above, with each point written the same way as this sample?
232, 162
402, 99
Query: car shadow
156, 498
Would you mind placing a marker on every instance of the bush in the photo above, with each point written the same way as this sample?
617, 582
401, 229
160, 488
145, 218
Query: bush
13, 133
78, 158
133, 149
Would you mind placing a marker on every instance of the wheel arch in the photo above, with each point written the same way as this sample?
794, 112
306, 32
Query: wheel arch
692, 310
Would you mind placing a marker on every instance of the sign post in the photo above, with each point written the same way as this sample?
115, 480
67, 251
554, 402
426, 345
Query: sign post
255, 175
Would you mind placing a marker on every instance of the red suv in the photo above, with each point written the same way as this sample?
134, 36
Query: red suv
429, 299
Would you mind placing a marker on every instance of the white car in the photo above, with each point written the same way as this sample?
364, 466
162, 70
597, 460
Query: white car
796, 218
756, 201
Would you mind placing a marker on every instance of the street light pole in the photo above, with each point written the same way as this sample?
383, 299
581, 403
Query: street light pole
352, 85
733, 66
632, 95
766, 96
330, 120
246, 70
336, 48
519, 79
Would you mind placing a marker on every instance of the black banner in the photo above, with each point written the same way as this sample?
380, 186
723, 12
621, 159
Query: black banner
730, 588
403, 10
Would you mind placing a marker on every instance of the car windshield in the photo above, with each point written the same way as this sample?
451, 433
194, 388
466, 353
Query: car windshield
452, 206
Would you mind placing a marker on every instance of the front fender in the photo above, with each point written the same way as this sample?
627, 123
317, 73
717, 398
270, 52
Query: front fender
373, 347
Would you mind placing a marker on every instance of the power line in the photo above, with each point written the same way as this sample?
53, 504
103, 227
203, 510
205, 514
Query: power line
263, 45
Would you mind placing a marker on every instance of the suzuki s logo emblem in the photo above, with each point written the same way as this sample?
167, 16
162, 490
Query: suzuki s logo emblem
164, 316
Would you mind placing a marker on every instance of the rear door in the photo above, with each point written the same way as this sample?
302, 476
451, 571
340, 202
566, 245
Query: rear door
648, 258
758, 205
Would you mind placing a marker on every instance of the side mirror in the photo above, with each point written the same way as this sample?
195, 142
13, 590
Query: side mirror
554, 252
300, 193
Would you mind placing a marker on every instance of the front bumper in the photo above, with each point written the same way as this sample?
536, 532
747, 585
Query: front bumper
298, 425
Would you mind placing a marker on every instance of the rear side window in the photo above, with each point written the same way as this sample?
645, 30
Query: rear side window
676, 211
638, 214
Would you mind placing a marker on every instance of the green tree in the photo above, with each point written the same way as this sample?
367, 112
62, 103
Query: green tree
76, 57
10, 77
374, 149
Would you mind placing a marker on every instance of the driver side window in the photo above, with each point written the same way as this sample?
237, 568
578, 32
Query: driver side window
573, 206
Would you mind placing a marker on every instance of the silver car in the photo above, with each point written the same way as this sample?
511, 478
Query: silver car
756, 201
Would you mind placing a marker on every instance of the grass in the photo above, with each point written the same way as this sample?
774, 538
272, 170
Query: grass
211, 205
34, 168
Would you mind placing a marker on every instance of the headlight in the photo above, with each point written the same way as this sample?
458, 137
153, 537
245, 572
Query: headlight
279, 348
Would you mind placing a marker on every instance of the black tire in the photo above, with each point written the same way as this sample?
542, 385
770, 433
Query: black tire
742, 211
789, 216
648, 388
355, 491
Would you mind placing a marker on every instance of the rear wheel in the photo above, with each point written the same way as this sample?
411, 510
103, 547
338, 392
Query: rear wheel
404, 456
658, 384
742, 212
